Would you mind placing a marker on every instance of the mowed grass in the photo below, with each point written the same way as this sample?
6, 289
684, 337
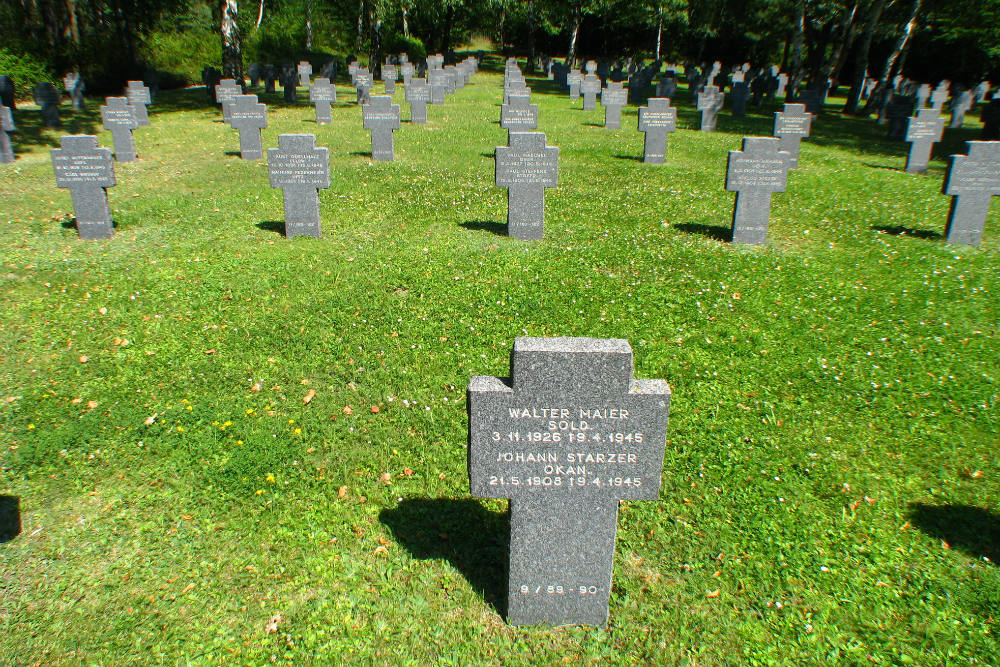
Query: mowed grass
831, 472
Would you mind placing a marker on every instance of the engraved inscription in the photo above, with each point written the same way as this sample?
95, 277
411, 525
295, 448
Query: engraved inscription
974, 177
792, 125
756, 173
72, 169
298, 170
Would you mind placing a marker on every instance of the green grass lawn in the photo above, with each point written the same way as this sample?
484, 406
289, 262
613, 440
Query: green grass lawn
831, 473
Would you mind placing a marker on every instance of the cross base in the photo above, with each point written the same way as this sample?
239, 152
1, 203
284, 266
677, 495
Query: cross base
302, 211
967, 218
555, 576
750, 217
654, 147
919, 157
526, 212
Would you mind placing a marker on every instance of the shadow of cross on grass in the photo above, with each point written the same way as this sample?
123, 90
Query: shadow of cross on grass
974, 530
473, 539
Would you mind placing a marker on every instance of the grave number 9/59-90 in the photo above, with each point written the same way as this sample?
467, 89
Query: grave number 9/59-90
560, 590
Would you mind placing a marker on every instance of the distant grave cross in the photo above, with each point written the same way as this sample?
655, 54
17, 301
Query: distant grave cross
959, 107
87, 171
590, 87
526, 167
299, 168
6, 125
363, 83
922, 131
138, 96
755, 173
418, 94
381, 116
519, 114
249, 117
389, 74
972, 181
790, 125
226, 93
437, 80
322, 94
118, 116
657, 120
939, 96
574, 80
305, 70
613, 98
710, 101
567, 437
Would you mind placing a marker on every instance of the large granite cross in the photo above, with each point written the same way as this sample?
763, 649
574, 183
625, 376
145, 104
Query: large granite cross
6, 125
613, 98
922, 131
381, 116
710, 101
322, 94
567, 437
87, 171
656, 120
299, 168
972, 180
249, 117
118, 116
790, 125
138, 96
526, 167
755, 173
417, 93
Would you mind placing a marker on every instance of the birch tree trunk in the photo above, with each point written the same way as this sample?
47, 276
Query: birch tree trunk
577, 20
861, 58
232, 47
901, 41
798, 39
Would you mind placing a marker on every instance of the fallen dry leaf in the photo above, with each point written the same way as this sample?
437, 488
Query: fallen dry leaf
309, 396
91, 404
188, 588
408, 471
102, 310
76, 400
945, 545
150, 419
380, 549
83, 359
374, 409
256, 386
712, 594
341, 492
385, 478
348, 410
210, 351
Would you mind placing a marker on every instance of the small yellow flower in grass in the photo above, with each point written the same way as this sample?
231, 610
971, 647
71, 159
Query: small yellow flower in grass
227, 423
180, 429
291, 421
239, 442
250, 411
297, 431
31, 426
260, 492
270, 478
189, 408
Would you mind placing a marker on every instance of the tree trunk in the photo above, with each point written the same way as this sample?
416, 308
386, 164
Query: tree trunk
309, 25
73, 27
659, 31
577, 20
449, 17
361, 28
901, 41
850, 32
260, 15
406, 24
232, 47
375, 43
798, 38
861, 58
531, 36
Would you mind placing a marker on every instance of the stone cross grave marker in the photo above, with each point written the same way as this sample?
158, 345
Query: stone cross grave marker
74, 87
574, 79
923, 93
898, 112
249, 117
755, 173
657, 119
381, 116
940, 96
710, 101
138, 97
305, 70
590, 67
322, 93
118, 116
590, 87
363, 83
226, 93
782, 84
790, 125
455, 80
47, 97
960, 105
667, 86
417, 93
526, 167
566, 437
922, 131
972, 180
87, 171
739, 94
406, 70
437, 80
519, 114
613, 98
270, 76
299, 168
6, 125
389, 75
